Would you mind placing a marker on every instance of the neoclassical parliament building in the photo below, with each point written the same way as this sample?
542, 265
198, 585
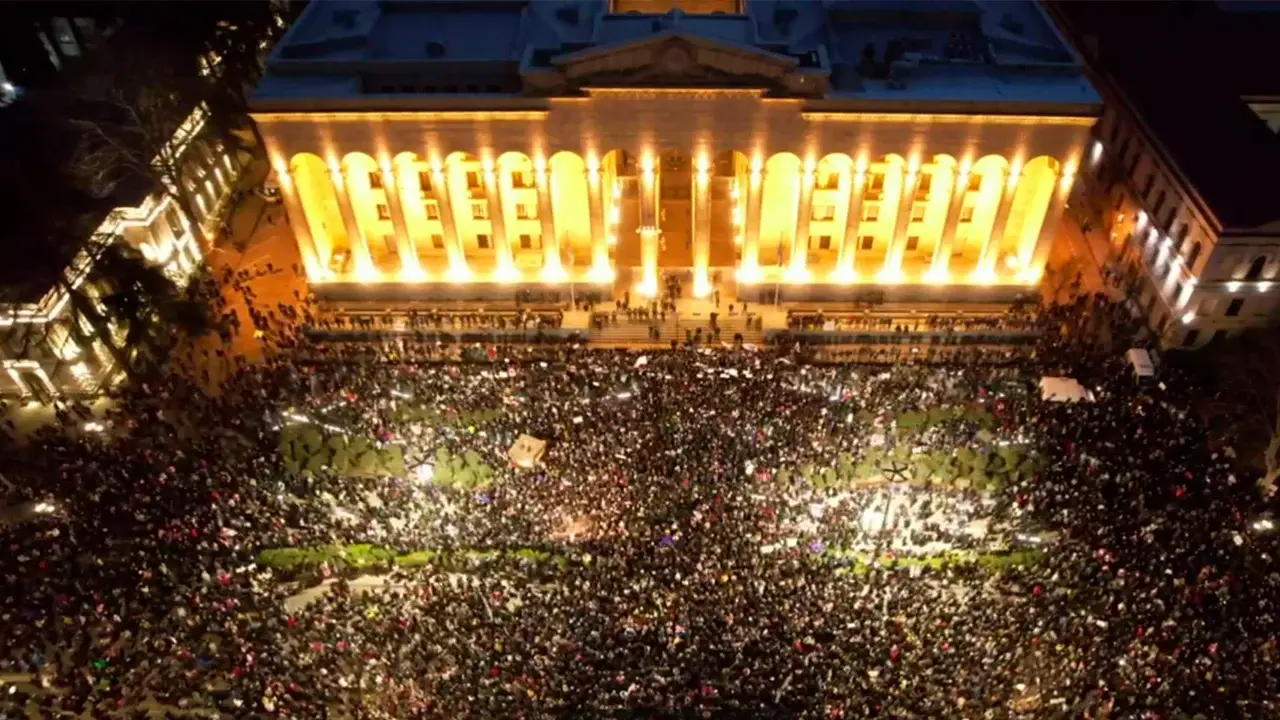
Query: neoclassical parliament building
442, 149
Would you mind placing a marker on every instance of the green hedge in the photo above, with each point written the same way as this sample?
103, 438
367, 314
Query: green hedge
304, 448
463, 471
360, 556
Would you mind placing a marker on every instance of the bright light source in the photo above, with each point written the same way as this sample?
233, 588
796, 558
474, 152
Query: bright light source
401, 395
94, 427
1264, 286
44, 508
1188, 318
1233, 286
1263, 525
1095, 153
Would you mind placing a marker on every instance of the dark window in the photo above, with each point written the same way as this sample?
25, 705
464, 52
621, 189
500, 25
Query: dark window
1234, 308
1193, 256
375, 179
913, 242
1218, 336
1255, 269
424, 181
923, 185
1159, 206
975, 182
483, 241
473, 179
433, 211
408, 89
437, 241
1191, 337
867, 241
526, 242
384, 212
1151, 182
824, 242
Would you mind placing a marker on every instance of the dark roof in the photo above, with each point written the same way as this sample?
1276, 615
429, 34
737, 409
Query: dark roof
1183, 70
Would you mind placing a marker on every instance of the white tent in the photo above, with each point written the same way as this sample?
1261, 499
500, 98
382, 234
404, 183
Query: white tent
1140, 360
1063, 389
527, 451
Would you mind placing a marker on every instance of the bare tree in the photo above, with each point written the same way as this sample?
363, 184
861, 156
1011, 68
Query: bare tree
1246, 407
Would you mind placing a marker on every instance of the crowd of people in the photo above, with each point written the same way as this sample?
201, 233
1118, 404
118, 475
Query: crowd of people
666, 556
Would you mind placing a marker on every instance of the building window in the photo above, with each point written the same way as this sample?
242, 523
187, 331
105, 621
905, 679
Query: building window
871, 212
1151, 183
384, 212
1255, 270
1190, 338
433, 211
866, 241
437, 241
824, 242
526, 241
174, 221
473, 179
824, 212
1162, 324
375, 180
1159, 206
479, 211
831, 182
424, 181
966, 214
1218, 336
523, 212
924, 184
917, 212
1234, 308
975, 182
1193, 256
483, 241
519, 180
913, 242
875, 187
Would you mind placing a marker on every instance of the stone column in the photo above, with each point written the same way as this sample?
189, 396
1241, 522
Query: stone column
599, 233
804, 213
649, 229
1033, 269
845, 263
898, 240
314, 251
498, 222
409, 267
551, 266
701, 231
361, 259
441, 191
938, 269
991, 248
750, 269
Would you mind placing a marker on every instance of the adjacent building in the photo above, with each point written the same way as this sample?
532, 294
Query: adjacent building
1181, 172
818, 149
49, 347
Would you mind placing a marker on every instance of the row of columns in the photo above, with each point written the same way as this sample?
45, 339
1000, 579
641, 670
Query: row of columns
316, 250
1032, 256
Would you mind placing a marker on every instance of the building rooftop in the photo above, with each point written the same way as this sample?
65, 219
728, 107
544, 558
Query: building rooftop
346, 53
1186, 74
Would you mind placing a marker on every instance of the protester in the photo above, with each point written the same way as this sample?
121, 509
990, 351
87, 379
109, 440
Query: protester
676, 557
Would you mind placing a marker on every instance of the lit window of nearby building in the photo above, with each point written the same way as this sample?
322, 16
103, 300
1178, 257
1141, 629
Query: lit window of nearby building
424, 181
871, 212
917, 212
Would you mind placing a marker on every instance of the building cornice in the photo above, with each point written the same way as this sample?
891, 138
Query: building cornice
947, 118
400, 115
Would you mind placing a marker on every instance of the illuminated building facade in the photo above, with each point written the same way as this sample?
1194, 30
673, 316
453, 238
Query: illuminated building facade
443, 149
49, 348
1184, 185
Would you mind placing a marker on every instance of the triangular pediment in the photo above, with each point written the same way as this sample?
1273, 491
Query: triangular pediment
674, 58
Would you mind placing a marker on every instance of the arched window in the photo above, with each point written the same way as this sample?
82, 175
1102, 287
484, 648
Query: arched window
1255, 269
1180, 234
1193, 256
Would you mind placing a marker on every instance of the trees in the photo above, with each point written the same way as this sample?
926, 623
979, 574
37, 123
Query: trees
1245, 409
